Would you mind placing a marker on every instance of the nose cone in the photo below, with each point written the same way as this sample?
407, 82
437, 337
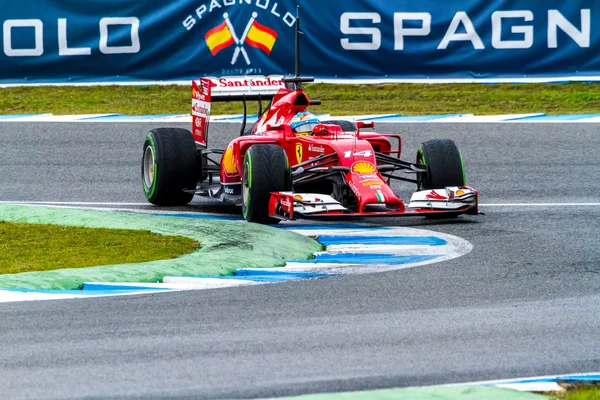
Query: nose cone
369, 187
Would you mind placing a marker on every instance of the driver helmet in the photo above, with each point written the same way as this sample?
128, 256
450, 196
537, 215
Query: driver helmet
304, 122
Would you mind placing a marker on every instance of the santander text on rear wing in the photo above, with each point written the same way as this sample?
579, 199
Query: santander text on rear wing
233, 88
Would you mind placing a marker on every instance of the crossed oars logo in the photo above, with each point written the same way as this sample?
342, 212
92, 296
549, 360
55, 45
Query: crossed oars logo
239, 42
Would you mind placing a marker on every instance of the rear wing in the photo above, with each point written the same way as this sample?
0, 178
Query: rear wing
210, 90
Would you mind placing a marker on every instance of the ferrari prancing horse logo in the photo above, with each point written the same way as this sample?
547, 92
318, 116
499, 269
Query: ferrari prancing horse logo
299, 152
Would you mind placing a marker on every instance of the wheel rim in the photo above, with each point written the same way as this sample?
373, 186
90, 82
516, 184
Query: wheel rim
420, 175
149, 167
245, 188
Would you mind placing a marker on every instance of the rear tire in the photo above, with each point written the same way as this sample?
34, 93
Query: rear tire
347, 126
444, 165
169, 166
266, 170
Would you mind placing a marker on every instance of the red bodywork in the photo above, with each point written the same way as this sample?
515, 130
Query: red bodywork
355, 150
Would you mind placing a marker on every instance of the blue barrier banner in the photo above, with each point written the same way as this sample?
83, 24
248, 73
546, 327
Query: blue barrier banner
63, 41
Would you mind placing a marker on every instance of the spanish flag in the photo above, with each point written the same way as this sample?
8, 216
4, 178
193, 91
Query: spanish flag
218, 38
261, 37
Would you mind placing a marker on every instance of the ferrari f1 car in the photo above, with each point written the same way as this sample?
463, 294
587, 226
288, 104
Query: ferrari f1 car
289, 165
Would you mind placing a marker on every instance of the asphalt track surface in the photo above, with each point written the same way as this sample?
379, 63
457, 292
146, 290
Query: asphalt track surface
524, 302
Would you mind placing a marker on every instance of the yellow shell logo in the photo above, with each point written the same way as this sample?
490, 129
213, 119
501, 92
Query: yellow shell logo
363, 167
298, 197
229, 162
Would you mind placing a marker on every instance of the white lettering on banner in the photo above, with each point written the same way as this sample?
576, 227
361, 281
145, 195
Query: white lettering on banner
461, 28
557, 20
400, 31
63, 47
134, 23
526, 30
263, 6
38, 32
375, 33
470, 35
215, 5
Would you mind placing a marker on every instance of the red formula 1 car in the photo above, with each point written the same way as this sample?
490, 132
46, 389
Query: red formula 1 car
289, 165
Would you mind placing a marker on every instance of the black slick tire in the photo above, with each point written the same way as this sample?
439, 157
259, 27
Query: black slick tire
347, 126
266, 170
169, 166
444, 165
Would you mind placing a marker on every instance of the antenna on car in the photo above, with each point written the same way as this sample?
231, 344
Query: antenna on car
295, 83
298, 33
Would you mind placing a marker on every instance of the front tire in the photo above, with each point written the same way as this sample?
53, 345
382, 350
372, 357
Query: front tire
169, 166
444, 165
266, 170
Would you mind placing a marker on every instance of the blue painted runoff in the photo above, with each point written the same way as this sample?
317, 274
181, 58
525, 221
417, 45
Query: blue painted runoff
565, 117
561, 378
126, 117
417, 117
10, 116
292, 275
380, 117
102, 117
397, 240
365, 259
112, 288
269, 276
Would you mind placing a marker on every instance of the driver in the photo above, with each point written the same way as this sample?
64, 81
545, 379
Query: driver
303, 123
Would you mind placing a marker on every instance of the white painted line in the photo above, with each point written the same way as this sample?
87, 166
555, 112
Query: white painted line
485, 118
173, 283
378, 118
397, 249
27, 119
358, 117
526, 380
8, 296
57, 118
532, 386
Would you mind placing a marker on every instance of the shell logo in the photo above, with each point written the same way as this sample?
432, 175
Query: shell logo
298, 197
229, 162
363, 167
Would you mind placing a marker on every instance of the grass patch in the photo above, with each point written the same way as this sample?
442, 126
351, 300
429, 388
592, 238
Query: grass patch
406, 99
36, 247
577, 392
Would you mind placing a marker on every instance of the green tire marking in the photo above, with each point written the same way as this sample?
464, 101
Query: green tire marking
420, 152
462, 167
147, 192
249, 163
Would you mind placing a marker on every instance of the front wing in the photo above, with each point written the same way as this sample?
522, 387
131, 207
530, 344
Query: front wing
449, 202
